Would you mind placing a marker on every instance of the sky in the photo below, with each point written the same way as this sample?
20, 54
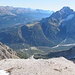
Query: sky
39, 4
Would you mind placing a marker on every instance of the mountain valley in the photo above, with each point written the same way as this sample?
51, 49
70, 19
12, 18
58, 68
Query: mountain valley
54, 33
11, 16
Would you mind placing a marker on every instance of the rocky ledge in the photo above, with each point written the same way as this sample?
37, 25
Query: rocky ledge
54, 66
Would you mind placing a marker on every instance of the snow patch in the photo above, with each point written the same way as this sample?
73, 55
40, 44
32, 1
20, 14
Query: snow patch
63, 44
56, 46
2, 72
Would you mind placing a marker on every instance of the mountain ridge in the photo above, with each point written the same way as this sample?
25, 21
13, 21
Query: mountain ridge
6, 52
11, 16
49, 32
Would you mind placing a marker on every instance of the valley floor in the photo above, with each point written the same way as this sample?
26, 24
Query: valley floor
54, 66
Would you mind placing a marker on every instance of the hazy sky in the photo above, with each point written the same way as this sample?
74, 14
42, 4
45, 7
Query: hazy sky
39, 4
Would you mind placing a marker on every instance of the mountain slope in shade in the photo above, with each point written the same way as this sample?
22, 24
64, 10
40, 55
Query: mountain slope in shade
68, 54
31, 34
60, 25
6, 52
35, 35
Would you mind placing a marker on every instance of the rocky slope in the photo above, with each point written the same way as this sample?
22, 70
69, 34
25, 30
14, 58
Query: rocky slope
60, 25
6, 52
54, 66
69, 54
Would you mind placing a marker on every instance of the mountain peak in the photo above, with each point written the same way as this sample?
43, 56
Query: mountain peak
66, 9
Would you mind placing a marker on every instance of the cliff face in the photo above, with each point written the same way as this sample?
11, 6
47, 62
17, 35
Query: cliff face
6, 52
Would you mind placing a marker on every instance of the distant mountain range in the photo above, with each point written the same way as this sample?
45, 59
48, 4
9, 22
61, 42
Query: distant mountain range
50, 31
11, 16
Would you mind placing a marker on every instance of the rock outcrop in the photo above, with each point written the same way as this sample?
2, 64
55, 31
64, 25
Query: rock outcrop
54, 66
6, 52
